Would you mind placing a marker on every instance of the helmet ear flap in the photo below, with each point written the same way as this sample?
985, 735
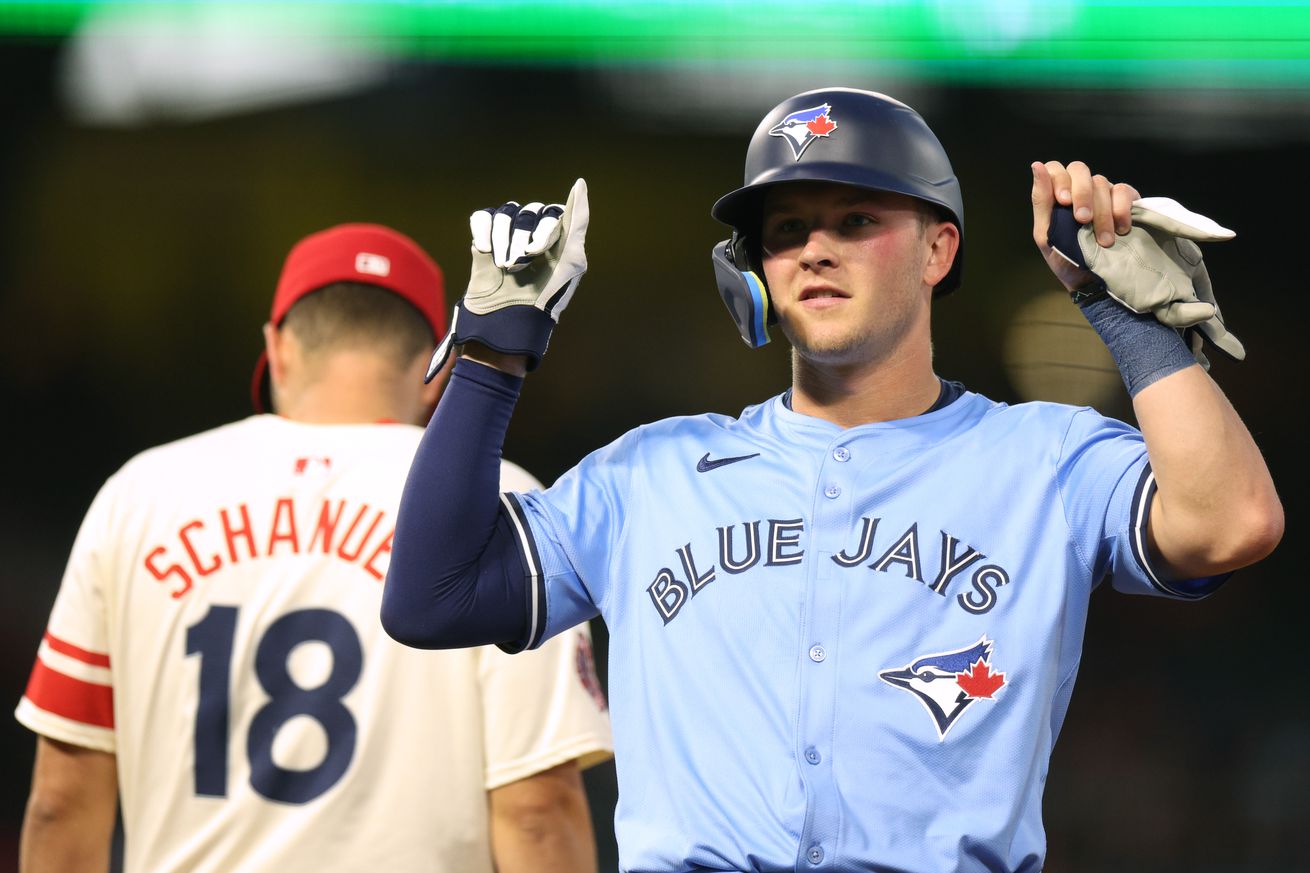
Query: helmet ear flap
741, 283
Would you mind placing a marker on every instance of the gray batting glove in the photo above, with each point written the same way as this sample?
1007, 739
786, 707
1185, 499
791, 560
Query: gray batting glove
527, 262
1157, 267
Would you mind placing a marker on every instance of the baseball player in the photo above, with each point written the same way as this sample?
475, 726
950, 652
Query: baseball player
215, 658
845, 624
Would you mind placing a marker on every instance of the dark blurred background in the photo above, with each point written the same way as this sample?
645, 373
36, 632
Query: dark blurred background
155, 168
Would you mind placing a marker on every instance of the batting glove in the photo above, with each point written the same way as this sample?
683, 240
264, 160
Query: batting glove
527, 262
1156, 267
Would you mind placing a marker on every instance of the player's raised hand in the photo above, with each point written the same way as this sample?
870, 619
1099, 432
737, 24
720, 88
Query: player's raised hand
1156, 267
1093, 201
1142, 252
527, 262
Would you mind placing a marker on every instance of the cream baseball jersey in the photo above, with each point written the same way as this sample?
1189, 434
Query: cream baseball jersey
217, 630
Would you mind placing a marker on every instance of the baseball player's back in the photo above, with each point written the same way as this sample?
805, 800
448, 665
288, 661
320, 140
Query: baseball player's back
217, 630
215, 654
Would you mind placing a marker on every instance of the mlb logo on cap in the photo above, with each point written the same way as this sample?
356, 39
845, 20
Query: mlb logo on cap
377, 265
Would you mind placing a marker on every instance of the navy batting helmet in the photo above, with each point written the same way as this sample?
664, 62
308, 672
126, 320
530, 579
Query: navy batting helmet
844, 135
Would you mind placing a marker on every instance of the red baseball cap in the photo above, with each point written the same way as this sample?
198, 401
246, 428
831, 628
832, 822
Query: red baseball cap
366, 253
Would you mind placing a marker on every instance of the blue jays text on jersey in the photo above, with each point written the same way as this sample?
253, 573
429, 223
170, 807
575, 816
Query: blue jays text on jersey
781, 543
847, 649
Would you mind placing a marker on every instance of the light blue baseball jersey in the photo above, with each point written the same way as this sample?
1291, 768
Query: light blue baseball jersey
841, 649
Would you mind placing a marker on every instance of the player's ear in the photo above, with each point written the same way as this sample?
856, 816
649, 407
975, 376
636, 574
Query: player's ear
275, 350
943, 239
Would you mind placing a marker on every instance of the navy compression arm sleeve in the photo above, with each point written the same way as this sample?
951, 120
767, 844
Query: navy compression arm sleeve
456, 578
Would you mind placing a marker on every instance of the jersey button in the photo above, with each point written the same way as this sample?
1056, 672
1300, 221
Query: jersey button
841, 453
832, 491
815, 854
812, 755
817, 654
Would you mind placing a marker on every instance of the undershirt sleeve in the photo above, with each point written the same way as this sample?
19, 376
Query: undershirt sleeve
457, 576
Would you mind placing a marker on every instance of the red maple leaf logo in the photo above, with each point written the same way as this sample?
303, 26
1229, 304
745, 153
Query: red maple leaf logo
821, 126
981, 681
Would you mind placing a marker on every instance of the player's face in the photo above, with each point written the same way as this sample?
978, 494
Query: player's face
846, 270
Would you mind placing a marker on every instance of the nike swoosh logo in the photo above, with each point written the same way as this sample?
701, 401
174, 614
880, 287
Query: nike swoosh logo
704, 465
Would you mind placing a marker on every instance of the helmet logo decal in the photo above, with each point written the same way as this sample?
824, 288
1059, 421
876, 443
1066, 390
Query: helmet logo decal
805, 126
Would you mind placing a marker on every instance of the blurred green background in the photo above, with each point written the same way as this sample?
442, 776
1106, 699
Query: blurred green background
157, 161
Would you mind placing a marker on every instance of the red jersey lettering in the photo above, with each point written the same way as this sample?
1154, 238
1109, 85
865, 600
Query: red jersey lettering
173, 569
354, 556
284, 516
327, 523
232, 534
383, 549
184, 536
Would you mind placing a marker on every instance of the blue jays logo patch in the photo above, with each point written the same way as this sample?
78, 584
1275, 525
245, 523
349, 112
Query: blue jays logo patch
805, 126
948, 683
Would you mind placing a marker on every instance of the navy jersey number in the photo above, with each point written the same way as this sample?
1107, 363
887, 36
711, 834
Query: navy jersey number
211, 638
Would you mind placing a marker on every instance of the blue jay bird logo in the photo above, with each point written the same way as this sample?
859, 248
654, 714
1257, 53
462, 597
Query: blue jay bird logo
805, 126
948, 683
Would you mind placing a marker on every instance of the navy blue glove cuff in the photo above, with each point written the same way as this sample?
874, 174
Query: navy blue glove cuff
1144, 349
514, 330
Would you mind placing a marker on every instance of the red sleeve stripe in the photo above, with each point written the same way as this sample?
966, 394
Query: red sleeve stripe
71, 698
77, 653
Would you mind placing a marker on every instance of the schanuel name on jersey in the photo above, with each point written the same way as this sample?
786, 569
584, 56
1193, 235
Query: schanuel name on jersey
778, 542
345, 530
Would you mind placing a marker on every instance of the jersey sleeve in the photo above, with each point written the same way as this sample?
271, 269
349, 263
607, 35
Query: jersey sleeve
567, 534
1106, 486
70, 693
542, 709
